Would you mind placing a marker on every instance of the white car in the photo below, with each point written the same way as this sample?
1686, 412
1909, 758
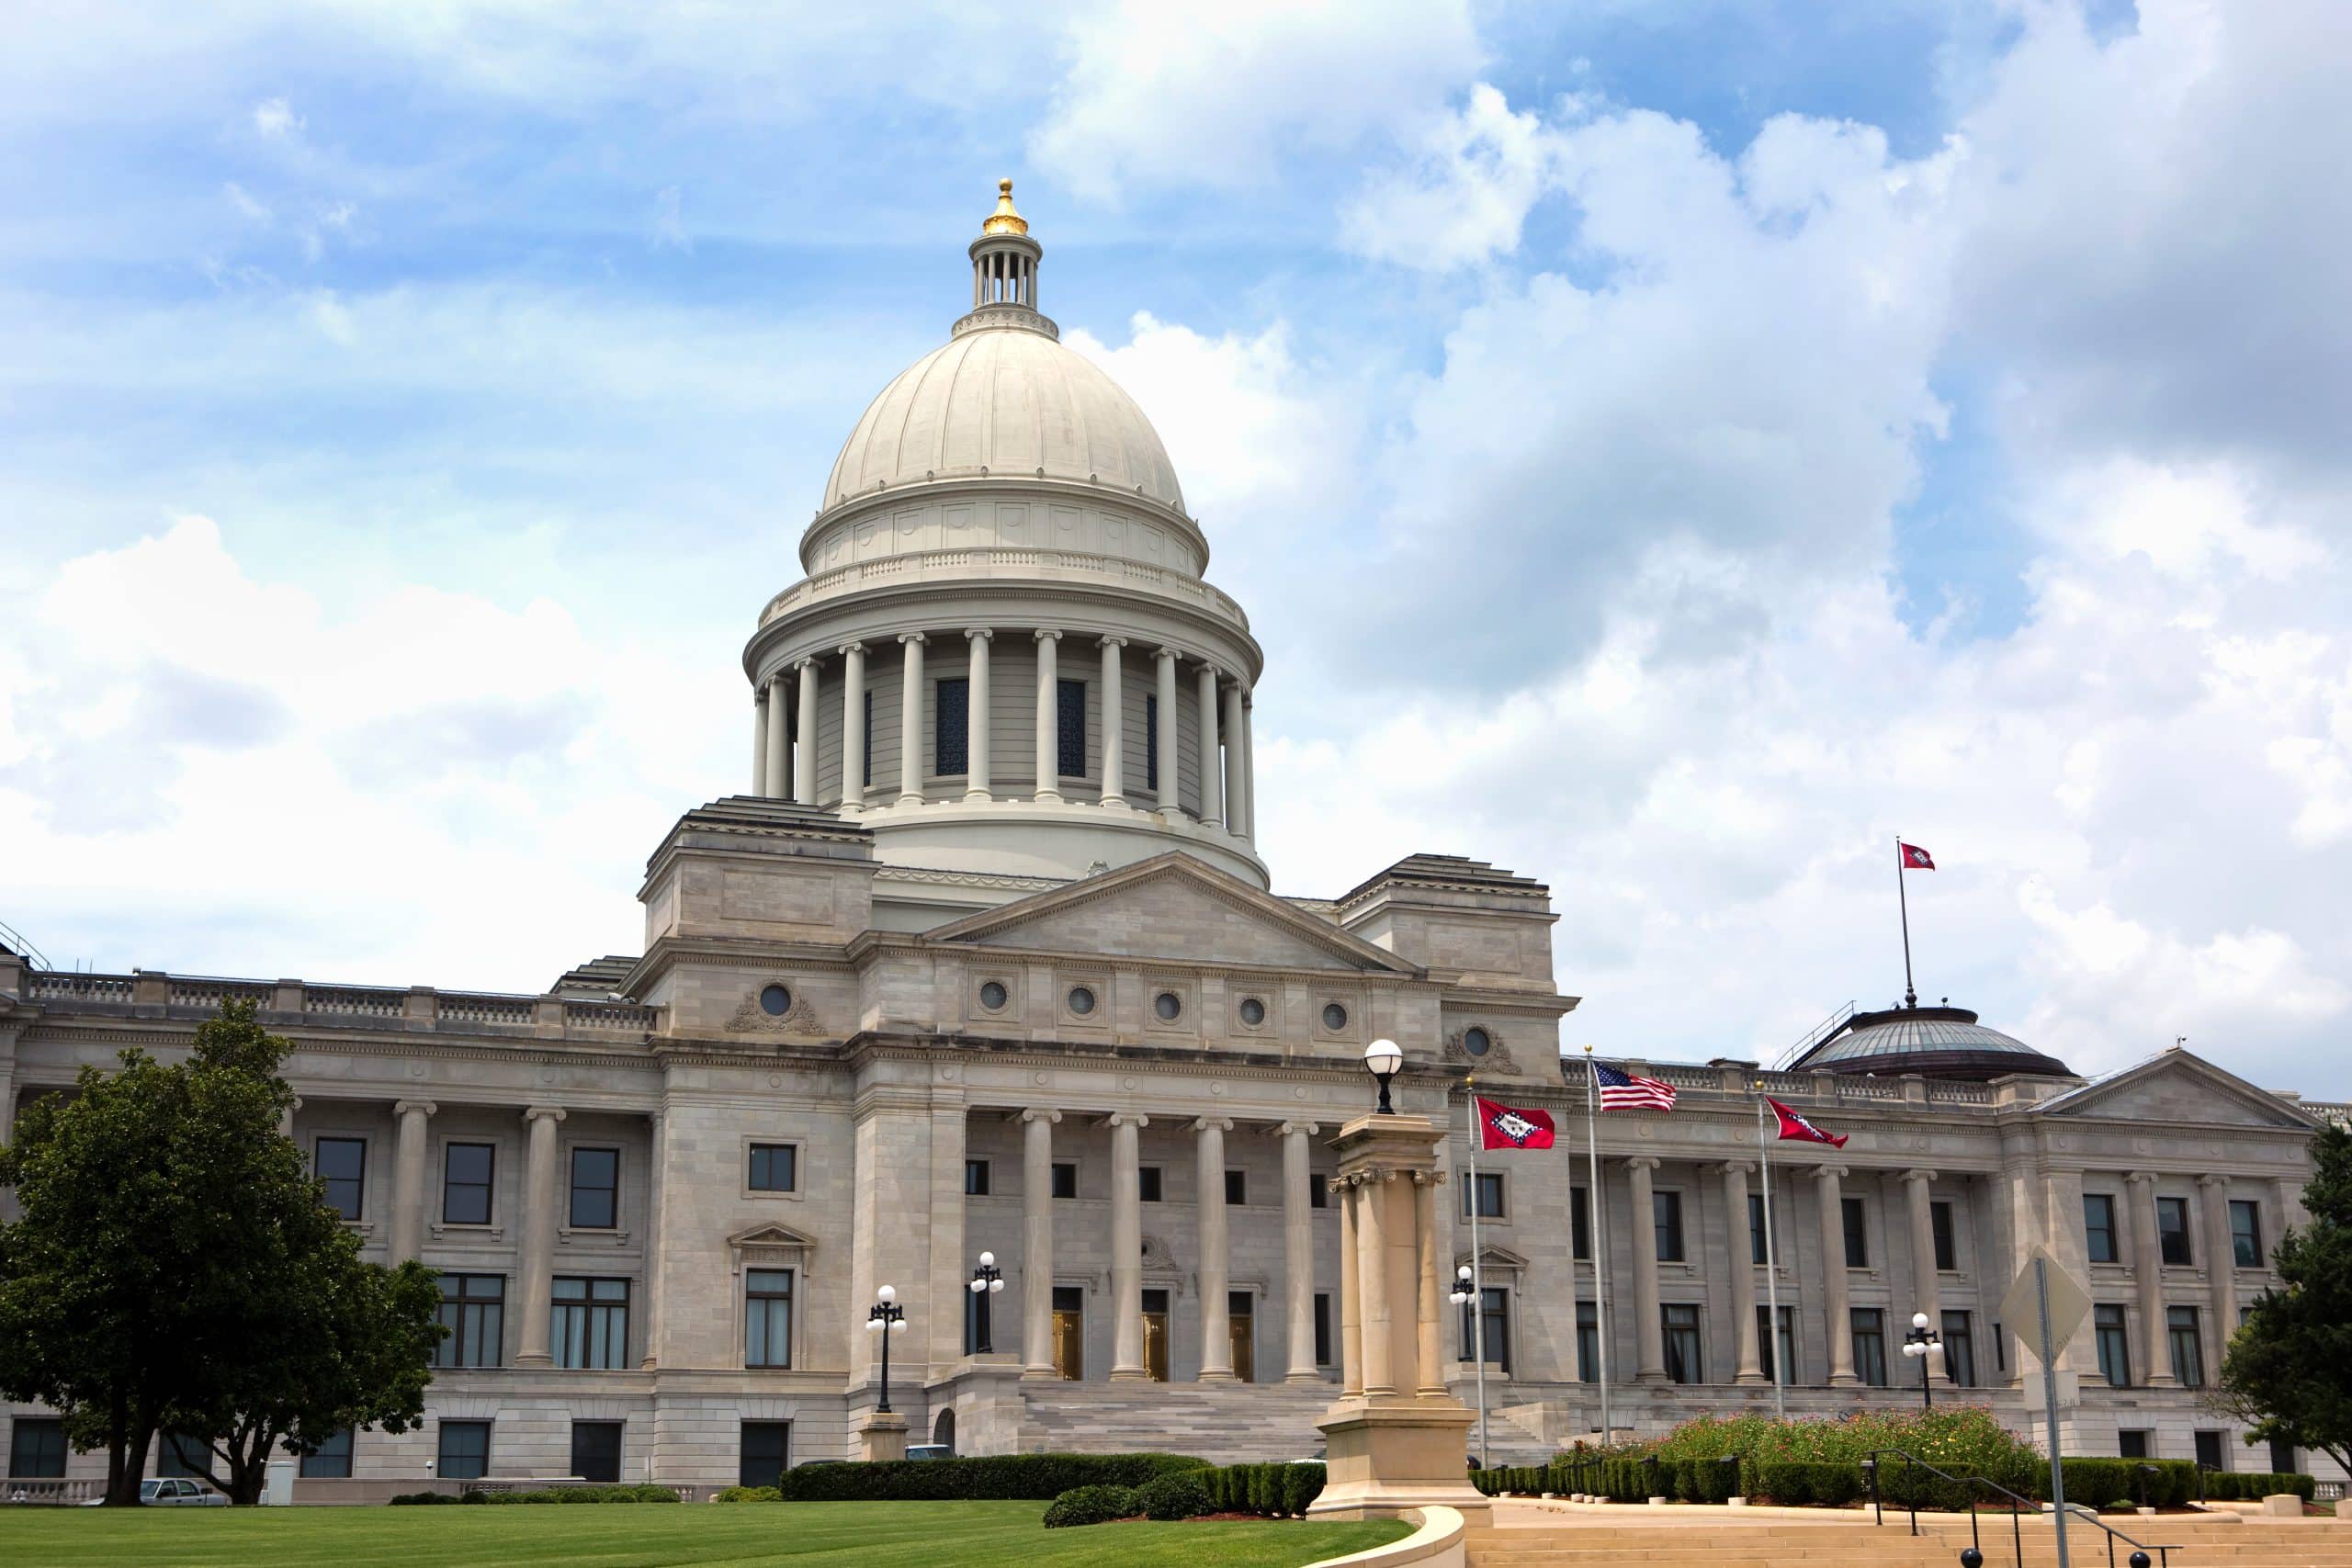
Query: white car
173, 1491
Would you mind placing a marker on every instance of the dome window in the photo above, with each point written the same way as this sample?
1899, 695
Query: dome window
993, 996
776, 1001
1253, 1012
1477, 1042
1335, 1017
1168, 1006
1082, 1000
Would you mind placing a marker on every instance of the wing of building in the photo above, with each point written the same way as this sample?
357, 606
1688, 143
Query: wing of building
984, 961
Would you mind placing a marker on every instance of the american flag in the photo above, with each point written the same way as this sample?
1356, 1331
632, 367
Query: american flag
1630, 1091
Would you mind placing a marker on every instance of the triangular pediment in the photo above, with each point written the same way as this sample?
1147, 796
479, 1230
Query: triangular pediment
1173, 908
2177, 1087
768, 1234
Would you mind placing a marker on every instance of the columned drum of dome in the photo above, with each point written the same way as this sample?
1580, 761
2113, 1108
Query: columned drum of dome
1003, 500
1934, 1042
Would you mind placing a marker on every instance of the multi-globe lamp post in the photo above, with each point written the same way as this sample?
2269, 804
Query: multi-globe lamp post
988, 1279
1920, 1344
887, 1317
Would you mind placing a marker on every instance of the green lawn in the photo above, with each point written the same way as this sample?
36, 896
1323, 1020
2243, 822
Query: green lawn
883, 1535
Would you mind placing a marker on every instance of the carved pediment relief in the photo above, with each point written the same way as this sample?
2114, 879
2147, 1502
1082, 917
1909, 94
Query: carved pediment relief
750, 1018
769, 1244
1497, 1057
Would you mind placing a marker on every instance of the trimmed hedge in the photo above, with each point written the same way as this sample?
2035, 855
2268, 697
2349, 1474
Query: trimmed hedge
1798, 1483
2253, 1485
1001, 1476
1270, 1491
748, 1494
1096, 1505
1179, 1494
637, 1493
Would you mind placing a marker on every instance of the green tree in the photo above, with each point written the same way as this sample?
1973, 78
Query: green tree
2288, 1371
175, 1263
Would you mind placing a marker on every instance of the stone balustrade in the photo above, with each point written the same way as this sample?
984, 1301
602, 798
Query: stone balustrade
150, 993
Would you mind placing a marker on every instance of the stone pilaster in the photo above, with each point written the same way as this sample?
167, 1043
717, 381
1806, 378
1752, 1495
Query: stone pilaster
407, 1236
1649, 1330
1430, 1264
1216, 1328
542, 1200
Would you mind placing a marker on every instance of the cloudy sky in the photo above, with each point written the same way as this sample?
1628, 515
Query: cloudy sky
1666, 448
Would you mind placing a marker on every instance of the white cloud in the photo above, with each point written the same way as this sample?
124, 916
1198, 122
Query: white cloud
669, 220
1477, 172
273, 117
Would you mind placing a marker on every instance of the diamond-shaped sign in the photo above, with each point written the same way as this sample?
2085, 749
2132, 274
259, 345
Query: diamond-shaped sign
2069, 1301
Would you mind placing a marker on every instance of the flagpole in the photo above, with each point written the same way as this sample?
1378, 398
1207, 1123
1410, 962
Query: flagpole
1903, 902
1771, 1269
1478, 1266
1600, 1238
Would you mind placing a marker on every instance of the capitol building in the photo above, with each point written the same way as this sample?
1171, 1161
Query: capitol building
983, 958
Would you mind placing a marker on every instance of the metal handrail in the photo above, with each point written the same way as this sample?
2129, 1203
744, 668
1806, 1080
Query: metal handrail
2141, 1549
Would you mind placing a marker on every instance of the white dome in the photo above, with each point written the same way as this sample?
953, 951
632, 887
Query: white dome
1011, 401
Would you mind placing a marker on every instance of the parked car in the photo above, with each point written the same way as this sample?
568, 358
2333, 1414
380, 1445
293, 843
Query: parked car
173, 1491
930, 1450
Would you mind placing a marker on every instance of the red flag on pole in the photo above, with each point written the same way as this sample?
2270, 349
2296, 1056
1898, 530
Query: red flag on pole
1795, 1126
1503, 1127
1913, 857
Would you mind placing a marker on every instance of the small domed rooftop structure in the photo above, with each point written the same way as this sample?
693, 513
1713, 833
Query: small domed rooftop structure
1935, 1042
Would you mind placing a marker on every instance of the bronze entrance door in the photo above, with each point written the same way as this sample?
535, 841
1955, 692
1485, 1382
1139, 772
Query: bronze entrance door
1154, 1335
1069, 1332
1241, 1327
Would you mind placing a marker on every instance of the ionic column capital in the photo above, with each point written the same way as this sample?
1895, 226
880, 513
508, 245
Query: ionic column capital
805, 663
2141, 1177
912, 636
403, 1106
1642, 1162
1298, 1129
1213, 1125
978, 634
1046, 634
1038, 1113
1920, 1175
543, 1113
1210, 669
1111, 642
1126, 1119
2213, 1178
1737, 1167
847, 649
1829, 1172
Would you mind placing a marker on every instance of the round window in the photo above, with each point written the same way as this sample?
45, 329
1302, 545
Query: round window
776, 1001
1335, 1017
1082, 1000
1476, 1042
992, 995
1167, 1005
1253, 1012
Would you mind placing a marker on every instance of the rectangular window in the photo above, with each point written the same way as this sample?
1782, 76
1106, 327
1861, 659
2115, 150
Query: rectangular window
1858, 1239
776, 1168
2000, 1351
767, 1317
1151, 740
950, 707
1870, 1345
2133, 1443
1580, 1224
2282, 1456
1147, 1183
2245, 1233
333, 1460
865, 761
37, 1447
1756, 1227
1495, 1317
1683, 1363
1069, 728
1777, 1350
2209, 1450
1318, 1191
1322, 1328
464, 1450
1488, 1192
1939, 1226
1959, 1349
342, 1164
976, 1179
1236, 1188
178, 1454
596, 1190
474, 1309
465, 1183
596, 1450
591, 1328
2187, 1348
2172, 1230
766, 1452
1065, 1180
1588, 1342
2114, 1345
1665, 1215
2098, 1226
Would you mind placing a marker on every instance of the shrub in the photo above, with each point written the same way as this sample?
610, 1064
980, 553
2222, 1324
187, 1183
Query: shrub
749, 1494
1179, 1494
428, 1498
1094, 1505
1038, 1476
1302, 1483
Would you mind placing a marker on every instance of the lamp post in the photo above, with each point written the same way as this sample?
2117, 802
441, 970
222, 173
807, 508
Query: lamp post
1466, 1292
1383, 1058
987, 1281
1919, 1344
887, 1317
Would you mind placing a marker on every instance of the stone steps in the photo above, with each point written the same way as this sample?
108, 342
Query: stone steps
1225, 1423
1594, 1542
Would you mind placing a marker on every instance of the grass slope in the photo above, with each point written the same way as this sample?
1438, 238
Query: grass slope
806, 1535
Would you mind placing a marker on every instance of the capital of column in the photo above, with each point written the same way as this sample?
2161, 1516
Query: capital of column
978, 634
543, 1113
1213, 1125
1046, 634
1309, 1128
2141, 1177
912, 636
1038, 1114
1209, 668
1126, 1119
805, 664
1918, 1175
1831, 1172
1164, 651
847, 649
403, 1106
2212, 1178
1642, 1162
1111, 642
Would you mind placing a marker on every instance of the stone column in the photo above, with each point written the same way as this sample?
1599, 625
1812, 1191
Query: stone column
1115, 737
976, 715
408, 1179
1248, 770
1374, 1310
1837, 1321
760, 741
1236, 822
286, 1118
657, 1225
1212, 794
2221, 1270
777, 711
1216, 1328
1343, 1194
1925, 1295
1038, 1241
1649, 1332
1430, 1264
1743, 1273
804, 749
1166, 793
2148, 1274
1298, 1252
1048, 711
1127, 1248
911, 721
542, 1198
852, 727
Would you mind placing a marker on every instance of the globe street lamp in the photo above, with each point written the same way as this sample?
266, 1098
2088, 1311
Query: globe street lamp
886, 1318
1919, 1344
1381, 1058
987, 1281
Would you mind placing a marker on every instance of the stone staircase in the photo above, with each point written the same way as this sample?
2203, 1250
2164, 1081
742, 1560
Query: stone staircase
1225, 1423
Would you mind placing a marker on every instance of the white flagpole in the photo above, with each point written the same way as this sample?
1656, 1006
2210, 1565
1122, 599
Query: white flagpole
1478, 1269
1771, 1269
1599, 1237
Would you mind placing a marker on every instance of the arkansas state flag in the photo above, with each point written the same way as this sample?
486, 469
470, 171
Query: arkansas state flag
1504, 1128
1913, 857
1795, 1126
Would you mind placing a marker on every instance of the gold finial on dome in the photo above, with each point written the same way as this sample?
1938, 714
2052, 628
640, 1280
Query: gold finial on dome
1004, 219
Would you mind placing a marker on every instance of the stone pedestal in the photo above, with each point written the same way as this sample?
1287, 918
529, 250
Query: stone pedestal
1395, 1439
883, 1436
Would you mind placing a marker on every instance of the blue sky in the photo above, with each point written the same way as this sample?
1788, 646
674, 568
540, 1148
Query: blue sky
1665, 448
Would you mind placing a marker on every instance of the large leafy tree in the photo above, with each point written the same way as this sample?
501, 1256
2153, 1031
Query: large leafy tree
2288, 1371
174, 1264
